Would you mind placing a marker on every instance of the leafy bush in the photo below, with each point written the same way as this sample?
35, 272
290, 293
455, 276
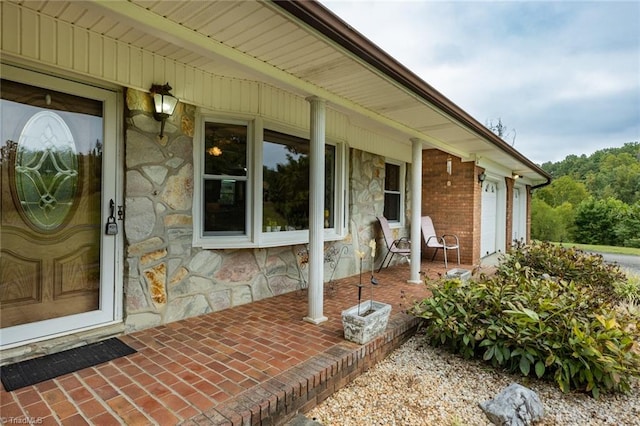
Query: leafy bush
527, 323
629, 289
588, 271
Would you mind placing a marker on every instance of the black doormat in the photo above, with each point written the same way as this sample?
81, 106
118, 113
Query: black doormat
32, 371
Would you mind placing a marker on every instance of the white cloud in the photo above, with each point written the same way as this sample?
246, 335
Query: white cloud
564, 74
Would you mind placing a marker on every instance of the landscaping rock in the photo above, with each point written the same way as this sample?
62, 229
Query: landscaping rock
515, 405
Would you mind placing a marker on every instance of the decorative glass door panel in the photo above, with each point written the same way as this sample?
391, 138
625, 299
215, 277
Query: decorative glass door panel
50, 205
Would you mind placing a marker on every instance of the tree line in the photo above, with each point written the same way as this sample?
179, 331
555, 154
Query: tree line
592, 199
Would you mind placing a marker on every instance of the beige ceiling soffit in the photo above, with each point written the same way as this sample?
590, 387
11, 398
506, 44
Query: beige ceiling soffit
172, 32
275, 5
443, 126
316, 16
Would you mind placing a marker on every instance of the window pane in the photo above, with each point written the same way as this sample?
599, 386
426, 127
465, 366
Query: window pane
392, 207
225, 149
329, 185
392, 177
286, 182
225, 206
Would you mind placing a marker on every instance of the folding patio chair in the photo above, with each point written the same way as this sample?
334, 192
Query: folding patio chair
433, 241
400, 246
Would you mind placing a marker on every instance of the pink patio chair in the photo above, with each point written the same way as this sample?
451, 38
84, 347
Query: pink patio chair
445, 242
400, 246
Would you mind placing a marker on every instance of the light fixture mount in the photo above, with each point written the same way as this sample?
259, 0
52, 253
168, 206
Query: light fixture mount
164, 103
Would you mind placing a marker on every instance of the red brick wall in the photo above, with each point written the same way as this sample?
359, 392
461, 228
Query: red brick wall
452, 201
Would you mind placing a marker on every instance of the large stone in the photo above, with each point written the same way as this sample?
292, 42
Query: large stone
220, 299
157, 279
241, 295
179, 189
153, 256
141, 150
137, 185
182, 147
140, 321
145, 246
260, 288
135, 297
176, 220
140, 218
240, 266
193, 285
138, 101
186, 307
156, 173
281, 284
205, 263
515, 405
180, 242
179, 275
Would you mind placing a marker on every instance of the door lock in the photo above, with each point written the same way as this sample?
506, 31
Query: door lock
112, 226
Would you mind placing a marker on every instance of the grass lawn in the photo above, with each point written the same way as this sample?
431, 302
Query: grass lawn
603, 249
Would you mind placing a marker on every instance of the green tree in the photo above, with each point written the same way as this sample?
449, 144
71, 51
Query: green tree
546, 224
566, 213
596, 221
563, 190
618, 177
627, 229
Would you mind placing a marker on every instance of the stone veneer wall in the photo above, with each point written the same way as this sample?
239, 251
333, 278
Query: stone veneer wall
166, 279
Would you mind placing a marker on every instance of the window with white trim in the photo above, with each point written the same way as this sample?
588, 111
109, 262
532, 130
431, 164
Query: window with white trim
394, 192
225, 209
285, 177
254, 186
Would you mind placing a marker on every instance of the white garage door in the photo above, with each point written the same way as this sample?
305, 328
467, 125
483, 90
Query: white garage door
489, 218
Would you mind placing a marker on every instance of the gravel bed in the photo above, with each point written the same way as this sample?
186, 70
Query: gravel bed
421, 385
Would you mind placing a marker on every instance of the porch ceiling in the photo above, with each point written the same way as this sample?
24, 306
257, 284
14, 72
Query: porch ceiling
227, 37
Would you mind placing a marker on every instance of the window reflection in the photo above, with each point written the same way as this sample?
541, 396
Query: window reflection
225, 186
392, 208
286, 183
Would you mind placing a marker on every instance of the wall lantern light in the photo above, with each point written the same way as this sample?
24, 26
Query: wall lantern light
481, 177
515, 176
164, 103
449, 165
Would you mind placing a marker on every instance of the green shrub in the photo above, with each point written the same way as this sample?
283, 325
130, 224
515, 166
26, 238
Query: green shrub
588, 271
628, 289
525, 323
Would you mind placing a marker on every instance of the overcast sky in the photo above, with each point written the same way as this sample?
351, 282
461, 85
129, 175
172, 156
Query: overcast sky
565, 75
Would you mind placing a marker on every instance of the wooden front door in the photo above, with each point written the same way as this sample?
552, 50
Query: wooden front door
51, 210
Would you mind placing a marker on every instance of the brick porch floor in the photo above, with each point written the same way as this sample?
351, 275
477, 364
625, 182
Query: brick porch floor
254, 364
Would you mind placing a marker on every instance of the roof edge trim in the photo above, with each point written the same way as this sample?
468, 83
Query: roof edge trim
326, 22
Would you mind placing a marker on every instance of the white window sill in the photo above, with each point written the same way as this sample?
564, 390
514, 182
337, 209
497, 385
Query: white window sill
264, 240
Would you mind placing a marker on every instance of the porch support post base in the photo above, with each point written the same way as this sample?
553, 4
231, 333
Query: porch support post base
315, 320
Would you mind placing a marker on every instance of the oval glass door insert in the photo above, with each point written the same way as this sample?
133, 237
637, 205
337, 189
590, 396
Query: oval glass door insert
46, 170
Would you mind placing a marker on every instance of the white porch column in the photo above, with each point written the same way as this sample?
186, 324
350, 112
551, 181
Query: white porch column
316, 211
416, 209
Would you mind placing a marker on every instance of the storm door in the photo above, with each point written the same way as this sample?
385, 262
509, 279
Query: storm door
56, 263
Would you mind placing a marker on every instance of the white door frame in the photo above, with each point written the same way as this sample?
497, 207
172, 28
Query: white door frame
111, 270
